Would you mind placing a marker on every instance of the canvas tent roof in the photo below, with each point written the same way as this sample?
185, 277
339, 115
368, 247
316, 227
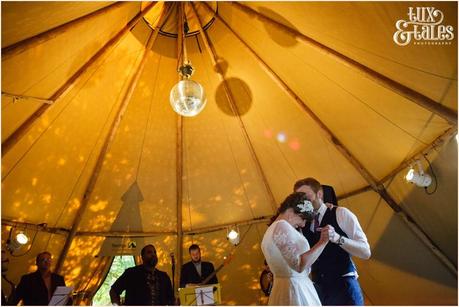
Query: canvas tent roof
92, 148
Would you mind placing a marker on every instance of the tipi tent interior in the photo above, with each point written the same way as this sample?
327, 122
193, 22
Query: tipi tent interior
94, 158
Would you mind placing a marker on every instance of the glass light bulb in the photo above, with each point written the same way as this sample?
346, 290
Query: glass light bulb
410, 175
22, 238
233, 235
188, 98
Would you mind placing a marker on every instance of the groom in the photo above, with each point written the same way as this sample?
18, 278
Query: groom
334, 274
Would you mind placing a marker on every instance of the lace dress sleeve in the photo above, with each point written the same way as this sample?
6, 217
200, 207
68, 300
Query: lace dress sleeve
290, 243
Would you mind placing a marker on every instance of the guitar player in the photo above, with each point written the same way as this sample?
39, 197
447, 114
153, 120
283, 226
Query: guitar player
196, 271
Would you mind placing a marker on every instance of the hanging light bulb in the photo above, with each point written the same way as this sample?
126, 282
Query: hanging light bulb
187, 97
410, 175
418, 178
21, 238
17, 241
233, 236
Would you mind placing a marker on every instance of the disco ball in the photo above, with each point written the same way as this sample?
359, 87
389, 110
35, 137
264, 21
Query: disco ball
188, 98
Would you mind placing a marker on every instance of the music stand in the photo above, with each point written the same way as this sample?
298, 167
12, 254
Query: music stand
206, 295
60, 296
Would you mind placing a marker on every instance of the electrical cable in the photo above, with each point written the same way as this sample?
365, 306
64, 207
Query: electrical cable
433, 175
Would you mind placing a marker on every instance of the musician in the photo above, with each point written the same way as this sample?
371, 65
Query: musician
5, 263
38, 287
144, 284
196, 271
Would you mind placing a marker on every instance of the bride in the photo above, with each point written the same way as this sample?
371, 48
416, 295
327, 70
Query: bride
288, 254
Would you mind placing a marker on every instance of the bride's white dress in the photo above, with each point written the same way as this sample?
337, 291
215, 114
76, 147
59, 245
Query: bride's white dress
282, 246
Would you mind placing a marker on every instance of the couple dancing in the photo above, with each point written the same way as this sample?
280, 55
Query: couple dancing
308, 236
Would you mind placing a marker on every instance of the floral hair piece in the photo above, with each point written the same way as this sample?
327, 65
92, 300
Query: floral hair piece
305, 206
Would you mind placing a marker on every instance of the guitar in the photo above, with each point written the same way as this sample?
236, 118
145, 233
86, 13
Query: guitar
266, 282
225, 262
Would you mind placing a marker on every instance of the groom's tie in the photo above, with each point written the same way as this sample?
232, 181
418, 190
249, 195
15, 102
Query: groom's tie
316, 222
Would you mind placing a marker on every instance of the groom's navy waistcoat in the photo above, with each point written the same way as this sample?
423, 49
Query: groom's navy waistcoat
334, 261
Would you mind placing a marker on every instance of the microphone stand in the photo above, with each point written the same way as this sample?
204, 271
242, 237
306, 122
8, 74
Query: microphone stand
173, 276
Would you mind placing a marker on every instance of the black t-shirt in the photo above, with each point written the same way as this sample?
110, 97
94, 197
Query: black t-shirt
137, 283
33, 291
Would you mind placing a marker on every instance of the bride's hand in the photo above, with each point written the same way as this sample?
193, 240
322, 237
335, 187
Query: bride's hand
325, 233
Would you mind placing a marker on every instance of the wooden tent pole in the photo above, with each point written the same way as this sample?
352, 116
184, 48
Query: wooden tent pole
447, 135
124, 234
111, 43
25, 97
21, 46
258, 220
361, 169
130, 234
376, 186
438, 142
11, 140
40, 227
213, 56
355, 192
334, 140
127, 234
102, 154
179, 145
433, 106
427, 241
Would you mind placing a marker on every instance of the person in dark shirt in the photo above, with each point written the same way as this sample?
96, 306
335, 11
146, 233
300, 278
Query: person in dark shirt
38, 287
5, 263
144, 284
196, 271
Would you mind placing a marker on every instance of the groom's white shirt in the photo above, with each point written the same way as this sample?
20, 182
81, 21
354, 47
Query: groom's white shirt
349, 223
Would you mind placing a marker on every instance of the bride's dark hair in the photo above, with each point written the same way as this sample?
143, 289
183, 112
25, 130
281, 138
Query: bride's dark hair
292, 201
